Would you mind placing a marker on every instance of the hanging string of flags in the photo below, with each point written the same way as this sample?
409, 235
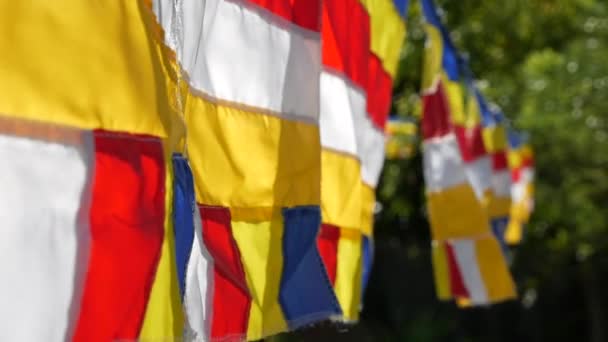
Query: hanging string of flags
468, 177
361, 45
521, 165
194, 136
250, 96
206, 169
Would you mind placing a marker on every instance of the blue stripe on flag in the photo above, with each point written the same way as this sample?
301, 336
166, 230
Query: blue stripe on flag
450, 59
450, 62
515, 139
430, 14
499, 226
368, 260
487, 117
306, 295
183, 219
401, 6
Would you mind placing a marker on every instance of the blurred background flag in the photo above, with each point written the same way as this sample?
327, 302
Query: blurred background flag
521, 166
495, 141
467, 259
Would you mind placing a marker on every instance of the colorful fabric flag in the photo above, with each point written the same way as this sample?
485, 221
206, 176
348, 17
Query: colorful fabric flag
88, 127
251, 100
128, 222
164, 174
361, 45
467, 260
495, 141
521, 165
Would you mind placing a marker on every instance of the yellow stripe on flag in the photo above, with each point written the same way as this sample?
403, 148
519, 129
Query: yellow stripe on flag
243, 159
164, 315
514, 232
515, 158
494, 138
441, 270
432, 67
260, 245
349, 273
387, 32
340, 189
498, 206
367, 210
494, 270
455, 97
110, 77
473, 113
456, 213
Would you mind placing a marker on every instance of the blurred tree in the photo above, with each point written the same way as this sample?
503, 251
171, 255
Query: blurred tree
545, 62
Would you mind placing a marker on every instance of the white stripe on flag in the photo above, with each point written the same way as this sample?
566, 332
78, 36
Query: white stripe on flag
340, 102
466, 258
45, 179
370, 148
239, 53
501, 183
442, 163
479, 173
198, 297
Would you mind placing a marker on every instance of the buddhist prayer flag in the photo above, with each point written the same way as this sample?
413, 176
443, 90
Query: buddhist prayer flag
467, 259
190, 169
494, 134
88, 128
361, 46
165, 164
521, 166
117, 221
251, 101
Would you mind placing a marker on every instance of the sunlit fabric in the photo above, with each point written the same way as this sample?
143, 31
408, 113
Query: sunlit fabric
87, 194
190, 169
130, 222
361, 44
250, 97
468, 263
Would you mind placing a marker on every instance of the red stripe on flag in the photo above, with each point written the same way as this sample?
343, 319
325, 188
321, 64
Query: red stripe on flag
231, 300
456, 282
516, 174
471, 143
127, 219
436, 114
346, 39
305, 13
527, 162
379, 92
327, 242
499, 161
